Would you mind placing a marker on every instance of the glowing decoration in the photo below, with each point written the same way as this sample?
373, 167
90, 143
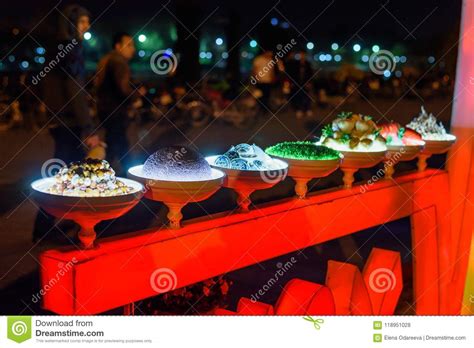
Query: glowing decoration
301, 297
253, 43
88, 178
87, 36
306, 161
375, 48
387, 73
40, 50
347, 291
357, 138
402, 145
431, 59
334, 46
177, 175
142, 38
356, 48
365, 58
383, 278
337, 58
219, 41
437, 140
86, 192
310, 45
24, 64
246, 157
403, 59
176, 163
427, 125
274, 21
248, 169
353, 132
141, 53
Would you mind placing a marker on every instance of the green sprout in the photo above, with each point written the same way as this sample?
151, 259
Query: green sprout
302, 150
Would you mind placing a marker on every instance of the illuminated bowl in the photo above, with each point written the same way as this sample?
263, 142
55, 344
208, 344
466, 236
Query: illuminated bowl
355, 160
400, 153
434, 147
302, 171
176, 194
245, 182
85, 211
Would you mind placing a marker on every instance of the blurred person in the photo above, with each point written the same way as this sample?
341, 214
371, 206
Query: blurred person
265, 70
115, 94
64, 98
300, 72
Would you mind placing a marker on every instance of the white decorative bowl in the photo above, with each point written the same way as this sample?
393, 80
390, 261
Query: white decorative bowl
85, 211
176, 194
302, 171
245, 182
434, 147
399, 153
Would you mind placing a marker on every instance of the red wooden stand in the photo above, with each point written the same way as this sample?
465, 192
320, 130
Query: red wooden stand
124, 268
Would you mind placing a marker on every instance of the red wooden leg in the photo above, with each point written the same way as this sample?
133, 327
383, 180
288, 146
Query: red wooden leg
425, 262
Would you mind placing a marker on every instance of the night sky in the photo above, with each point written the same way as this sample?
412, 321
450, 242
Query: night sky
374, 20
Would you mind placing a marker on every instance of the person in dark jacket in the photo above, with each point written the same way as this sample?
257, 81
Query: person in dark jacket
300, 73
64, 98
64, 86
115, 94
